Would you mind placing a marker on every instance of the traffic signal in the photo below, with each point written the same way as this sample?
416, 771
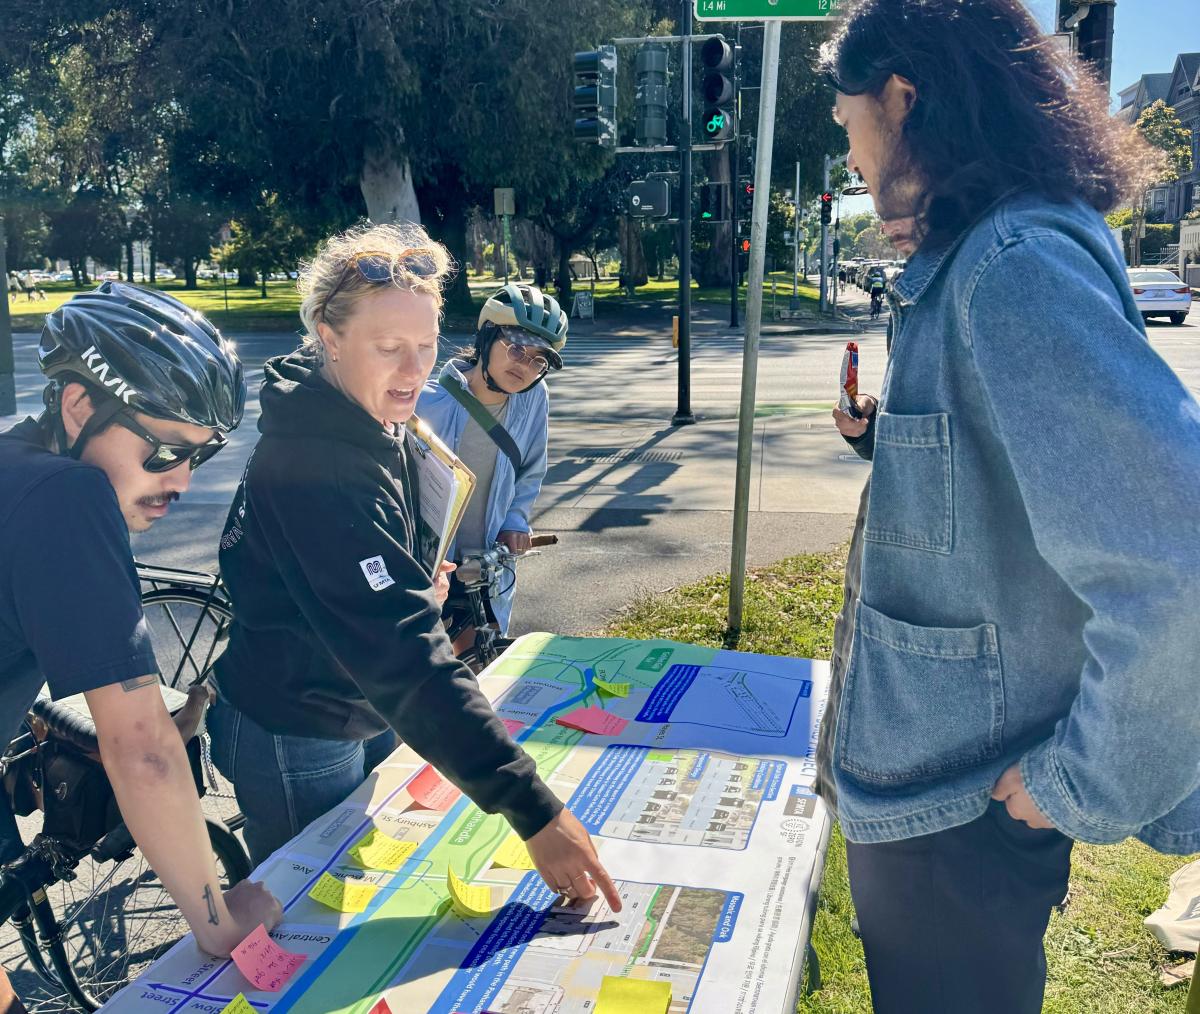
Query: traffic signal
826, 208
650, 97
745, 246
596, 97
718, 91
746, 189
713, 206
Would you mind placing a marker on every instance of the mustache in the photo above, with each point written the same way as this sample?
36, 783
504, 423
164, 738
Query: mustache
158, 501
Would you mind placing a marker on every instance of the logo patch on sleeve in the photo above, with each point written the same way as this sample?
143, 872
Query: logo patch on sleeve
375, 571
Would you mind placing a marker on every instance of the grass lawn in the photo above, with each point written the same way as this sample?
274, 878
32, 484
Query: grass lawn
1101, 959
238, 309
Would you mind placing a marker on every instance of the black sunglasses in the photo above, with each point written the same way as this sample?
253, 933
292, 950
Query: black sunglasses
165, 456
377, 268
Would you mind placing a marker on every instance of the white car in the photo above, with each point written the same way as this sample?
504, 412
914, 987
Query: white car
1160, 293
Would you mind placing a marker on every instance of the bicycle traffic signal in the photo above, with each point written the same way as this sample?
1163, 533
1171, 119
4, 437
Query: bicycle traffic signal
596, 97
650, 97
718, 91
826, 208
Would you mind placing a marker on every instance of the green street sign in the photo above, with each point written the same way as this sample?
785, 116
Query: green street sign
761, 10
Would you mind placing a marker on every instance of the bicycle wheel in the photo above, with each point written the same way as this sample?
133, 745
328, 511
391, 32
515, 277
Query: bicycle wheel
188, 629
115, 919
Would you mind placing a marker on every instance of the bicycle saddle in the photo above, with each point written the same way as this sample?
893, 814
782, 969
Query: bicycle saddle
70, 721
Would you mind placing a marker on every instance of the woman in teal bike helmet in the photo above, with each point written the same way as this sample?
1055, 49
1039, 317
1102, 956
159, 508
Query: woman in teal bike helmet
492, 408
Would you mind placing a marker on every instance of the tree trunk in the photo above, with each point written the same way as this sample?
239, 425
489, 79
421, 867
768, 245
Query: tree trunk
499, 250
8, 389
246, 278
633, 254
453, 233
712, 266
262, 275
562, 280
189, 271
387, 188
129, 259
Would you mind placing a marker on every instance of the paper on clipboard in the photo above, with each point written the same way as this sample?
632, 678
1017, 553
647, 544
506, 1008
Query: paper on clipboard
445, 484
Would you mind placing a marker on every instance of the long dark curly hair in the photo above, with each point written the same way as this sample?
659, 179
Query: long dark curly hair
999, 107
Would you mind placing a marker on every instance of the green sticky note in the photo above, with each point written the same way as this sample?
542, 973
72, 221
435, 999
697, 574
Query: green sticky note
666, 756
613, 689
619, 995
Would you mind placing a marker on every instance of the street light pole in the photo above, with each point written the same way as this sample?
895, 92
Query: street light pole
796, 242
754, 301
683, 409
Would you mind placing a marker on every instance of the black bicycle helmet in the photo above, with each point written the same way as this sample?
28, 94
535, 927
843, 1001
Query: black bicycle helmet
149, 352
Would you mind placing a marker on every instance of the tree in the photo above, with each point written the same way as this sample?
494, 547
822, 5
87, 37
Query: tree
271, 239
88, 225
1162, 130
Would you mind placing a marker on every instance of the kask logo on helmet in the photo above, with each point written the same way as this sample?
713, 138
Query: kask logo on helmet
96, 363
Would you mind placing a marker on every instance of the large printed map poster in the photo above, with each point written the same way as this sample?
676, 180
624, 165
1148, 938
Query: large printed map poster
696, 786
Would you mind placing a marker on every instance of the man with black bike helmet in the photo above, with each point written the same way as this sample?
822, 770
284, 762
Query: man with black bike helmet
142, 391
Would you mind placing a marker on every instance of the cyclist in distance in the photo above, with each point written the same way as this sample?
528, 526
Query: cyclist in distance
492, 408
141, 391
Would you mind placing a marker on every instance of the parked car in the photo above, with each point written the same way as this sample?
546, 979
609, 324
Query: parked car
64, 276
1160, 293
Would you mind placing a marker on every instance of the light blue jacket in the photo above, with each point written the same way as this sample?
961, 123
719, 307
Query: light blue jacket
1031, 563
512, 496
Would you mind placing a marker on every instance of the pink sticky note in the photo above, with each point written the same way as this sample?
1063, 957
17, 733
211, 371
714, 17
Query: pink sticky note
512, 725
264, 963
381, 1007
594, 720
432, 791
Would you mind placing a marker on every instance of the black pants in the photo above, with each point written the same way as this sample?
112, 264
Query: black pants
952, 922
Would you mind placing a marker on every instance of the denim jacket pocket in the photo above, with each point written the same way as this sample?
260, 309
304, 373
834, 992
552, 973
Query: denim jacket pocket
912, 495
919, 702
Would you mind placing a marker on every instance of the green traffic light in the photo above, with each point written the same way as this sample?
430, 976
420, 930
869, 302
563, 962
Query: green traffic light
706, 214
716, 124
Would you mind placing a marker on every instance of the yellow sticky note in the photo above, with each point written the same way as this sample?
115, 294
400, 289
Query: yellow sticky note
342, 896
470, 900
239, 1005
513, 854
378, 851
619, 995
615, 689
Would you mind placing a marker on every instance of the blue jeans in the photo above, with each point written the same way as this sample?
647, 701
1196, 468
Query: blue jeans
283, 783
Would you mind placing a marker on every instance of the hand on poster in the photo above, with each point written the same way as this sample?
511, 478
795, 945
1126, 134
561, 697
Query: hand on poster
563, 853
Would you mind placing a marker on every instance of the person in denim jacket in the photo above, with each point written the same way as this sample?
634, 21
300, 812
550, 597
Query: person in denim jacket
1023, 661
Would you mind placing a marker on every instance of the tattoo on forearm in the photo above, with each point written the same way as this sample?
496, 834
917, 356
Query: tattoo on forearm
212, 906
138, 682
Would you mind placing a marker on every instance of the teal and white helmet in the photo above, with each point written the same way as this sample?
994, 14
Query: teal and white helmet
535, 313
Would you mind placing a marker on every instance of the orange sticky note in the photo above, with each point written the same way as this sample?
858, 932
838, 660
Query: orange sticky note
432, 791
594, 720
264, 963
239, 1005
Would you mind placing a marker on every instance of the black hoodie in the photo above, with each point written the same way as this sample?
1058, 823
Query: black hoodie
337, 631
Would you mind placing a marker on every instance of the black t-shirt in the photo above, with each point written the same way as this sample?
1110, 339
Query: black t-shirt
70, 608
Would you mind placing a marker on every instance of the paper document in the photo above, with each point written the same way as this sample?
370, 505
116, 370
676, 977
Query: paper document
446, 485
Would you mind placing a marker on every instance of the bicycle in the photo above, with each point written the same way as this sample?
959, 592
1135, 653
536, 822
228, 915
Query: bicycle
876, 305
89, 911
468, 608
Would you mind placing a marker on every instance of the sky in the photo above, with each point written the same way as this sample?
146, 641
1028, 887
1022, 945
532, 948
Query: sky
1147, 36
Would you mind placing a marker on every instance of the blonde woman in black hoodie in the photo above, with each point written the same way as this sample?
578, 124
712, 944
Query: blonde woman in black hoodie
337, 644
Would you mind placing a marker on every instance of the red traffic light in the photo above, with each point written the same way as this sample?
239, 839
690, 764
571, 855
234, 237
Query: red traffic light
748, 189
745, 246
827, 198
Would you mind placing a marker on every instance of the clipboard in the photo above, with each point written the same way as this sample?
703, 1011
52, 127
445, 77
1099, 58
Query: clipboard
445, 486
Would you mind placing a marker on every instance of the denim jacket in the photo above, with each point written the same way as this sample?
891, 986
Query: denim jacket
511, 498
1031, 563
